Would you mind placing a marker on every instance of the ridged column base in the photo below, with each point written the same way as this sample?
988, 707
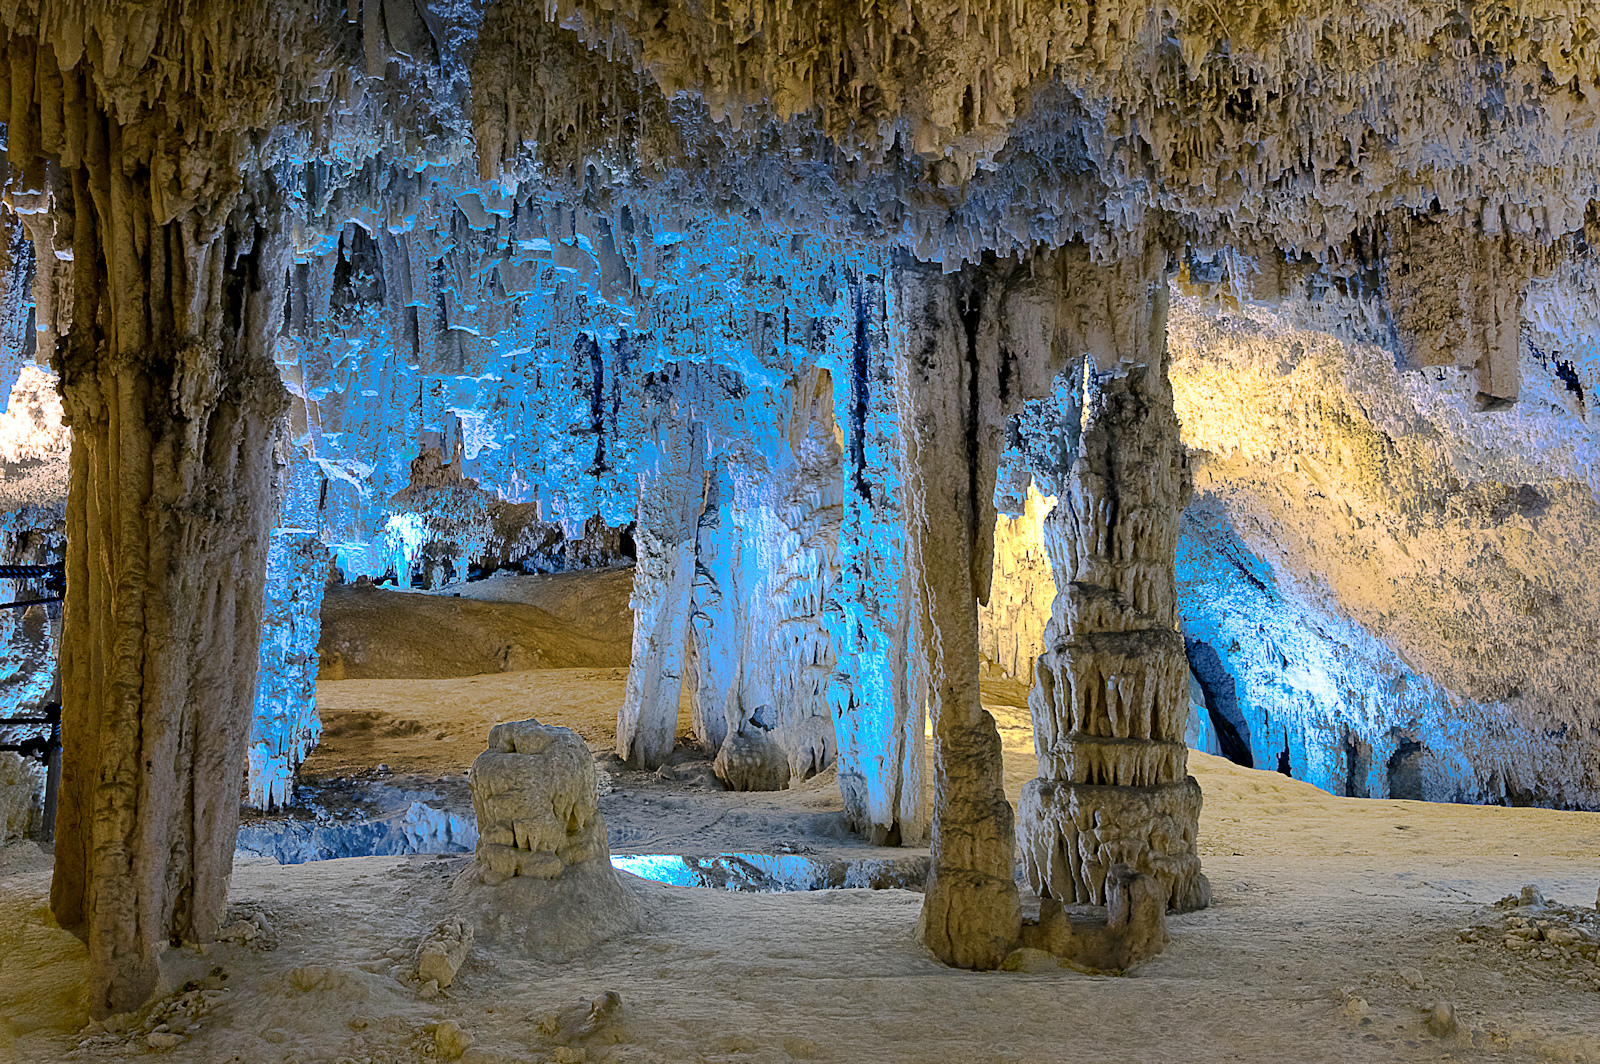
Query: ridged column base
1071, 834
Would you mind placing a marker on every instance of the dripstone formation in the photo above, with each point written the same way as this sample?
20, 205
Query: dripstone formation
1111, 690
788, 289
542, 879
534, 793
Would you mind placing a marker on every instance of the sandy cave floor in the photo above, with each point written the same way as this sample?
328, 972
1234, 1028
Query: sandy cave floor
1337, 925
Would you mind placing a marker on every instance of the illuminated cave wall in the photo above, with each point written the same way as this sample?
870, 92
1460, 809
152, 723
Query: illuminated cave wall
480, 380
1393, 574
1384, 585
514, 238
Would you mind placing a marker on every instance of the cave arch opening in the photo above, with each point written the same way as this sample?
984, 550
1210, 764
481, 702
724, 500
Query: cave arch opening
1221, 701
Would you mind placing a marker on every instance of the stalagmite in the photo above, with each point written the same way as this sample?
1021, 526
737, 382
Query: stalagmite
782, 284
1111, 696
971, 916
541, 881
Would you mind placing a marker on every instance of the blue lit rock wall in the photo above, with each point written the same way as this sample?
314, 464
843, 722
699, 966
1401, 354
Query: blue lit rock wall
482, 378
285, 725
879, 688
464, 324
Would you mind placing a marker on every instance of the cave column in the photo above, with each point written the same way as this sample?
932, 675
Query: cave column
717, 615
285, 726
878, 694
970, 916
167, 379
672, 497
1111, 696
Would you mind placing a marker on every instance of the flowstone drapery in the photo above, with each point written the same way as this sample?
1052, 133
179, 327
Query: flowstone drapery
1111, 688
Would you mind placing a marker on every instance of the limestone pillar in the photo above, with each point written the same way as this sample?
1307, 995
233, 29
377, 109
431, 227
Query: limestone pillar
717, 615
285, 726
1110, 697
671, 500
163, 345
878, 694
970, 916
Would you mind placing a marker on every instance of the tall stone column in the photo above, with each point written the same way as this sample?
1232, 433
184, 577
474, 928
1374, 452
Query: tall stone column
878, 693
672, 495
163, 346
1110, 696
971, 915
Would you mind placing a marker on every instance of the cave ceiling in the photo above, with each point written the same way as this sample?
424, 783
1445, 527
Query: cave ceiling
946, 129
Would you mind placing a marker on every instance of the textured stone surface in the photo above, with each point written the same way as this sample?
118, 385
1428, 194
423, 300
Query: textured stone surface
534, 793
1074, 834
157, 298
1391, 582
442, 952
1129, 930
971, 914
752, 763
488, 230
285, 725
21, 790
542, 881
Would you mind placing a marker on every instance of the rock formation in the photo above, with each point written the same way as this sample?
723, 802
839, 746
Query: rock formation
1129, 930
542, 879
671, 499
161, 288
21, 791
879, 688
285, 725
1111, 690
442, 952
971, 916
534, 794
784, 286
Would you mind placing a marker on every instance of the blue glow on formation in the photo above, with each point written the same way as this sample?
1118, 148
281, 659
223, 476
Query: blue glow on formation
1349, 714
285, 725
517, 336
533, 348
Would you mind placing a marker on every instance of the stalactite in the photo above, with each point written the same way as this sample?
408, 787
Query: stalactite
1455, 298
